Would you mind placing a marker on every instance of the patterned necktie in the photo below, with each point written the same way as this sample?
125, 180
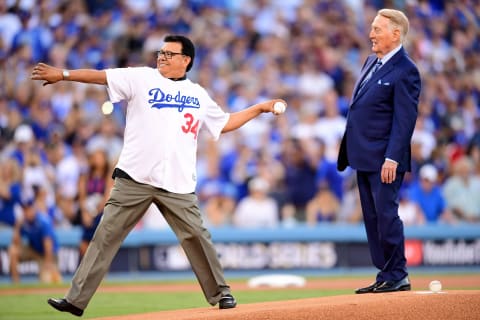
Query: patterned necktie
369, 75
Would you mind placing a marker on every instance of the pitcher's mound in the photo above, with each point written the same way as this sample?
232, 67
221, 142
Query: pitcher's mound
399, 305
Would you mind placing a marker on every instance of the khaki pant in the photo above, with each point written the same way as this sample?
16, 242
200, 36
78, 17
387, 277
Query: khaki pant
127, 204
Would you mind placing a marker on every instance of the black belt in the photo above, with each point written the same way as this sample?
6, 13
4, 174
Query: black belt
119, 173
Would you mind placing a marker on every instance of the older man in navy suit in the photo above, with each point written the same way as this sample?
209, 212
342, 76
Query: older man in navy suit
376, 143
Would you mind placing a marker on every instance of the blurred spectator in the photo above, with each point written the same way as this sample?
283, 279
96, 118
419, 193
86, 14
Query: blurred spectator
428, 196
461, 191
409, 211
330, 126
216, 194
324, 207
425, 138
129, 44
417, 162
94, 187
108, 136
41, 242
9, 24
10, 191
33, 164
475, 140
307, 123
65, 168
287, 216
300, 160
24, 142
243, 161
313, 83
6, 130
258, 209
35, 173
220, 206
350, 207
474, 154
473, 149
62, 101
270, 169
327, 173
152, 220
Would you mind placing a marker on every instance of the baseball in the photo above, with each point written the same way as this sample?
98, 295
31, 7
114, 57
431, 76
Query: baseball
435, 286
279, 107
107, 107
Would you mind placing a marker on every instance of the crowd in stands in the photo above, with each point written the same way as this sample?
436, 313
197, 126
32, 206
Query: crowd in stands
276, 170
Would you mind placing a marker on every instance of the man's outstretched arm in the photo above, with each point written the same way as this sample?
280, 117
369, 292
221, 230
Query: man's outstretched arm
238, 119
52, 75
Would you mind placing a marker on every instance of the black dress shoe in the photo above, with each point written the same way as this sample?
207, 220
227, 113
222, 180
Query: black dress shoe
368, 289
65, 306
227, 302
392, 286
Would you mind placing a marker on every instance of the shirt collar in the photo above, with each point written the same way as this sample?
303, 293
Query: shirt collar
389, 55
179, 79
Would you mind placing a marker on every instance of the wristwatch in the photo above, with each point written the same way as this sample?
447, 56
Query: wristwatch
65, 74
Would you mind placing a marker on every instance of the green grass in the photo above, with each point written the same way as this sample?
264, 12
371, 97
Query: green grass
33, 306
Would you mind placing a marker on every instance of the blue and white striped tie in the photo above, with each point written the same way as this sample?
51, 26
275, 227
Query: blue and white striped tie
369, 75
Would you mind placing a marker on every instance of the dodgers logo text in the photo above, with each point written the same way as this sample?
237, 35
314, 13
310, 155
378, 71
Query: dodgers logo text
179, 101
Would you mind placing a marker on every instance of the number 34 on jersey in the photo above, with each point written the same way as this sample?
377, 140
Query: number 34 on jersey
191, 125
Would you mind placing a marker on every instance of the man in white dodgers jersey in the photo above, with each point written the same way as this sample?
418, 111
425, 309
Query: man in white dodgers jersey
157, 164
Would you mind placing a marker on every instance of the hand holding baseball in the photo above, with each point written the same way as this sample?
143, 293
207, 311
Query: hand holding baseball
279, 107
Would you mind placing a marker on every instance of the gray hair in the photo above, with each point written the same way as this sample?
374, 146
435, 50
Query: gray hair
397, 19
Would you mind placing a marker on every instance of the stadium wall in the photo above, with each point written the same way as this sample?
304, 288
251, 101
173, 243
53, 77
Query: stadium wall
325, 246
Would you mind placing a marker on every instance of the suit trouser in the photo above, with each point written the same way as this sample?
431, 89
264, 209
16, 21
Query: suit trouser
383, 225
127, 204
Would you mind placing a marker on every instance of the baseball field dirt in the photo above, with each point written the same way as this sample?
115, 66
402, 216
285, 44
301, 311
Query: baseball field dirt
401, 305
416, 304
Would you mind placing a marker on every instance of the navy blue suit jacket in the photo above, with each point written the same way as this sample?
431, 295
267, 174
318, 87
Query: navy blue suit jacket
382, 116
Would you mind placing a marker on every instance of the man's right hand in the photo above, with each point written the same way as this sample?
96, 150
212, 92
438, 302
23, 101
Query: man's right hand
48, 73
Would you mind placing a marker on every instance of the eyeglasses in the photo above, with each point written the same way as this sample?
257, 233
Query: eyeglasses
167, 54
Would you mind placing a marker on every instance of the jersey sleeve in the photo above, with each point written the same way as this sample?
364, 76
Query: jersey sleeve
120, 83
216, 118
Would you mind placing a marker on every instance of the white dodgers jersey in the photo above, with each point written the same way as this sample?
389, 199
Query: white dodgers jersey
162, 124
